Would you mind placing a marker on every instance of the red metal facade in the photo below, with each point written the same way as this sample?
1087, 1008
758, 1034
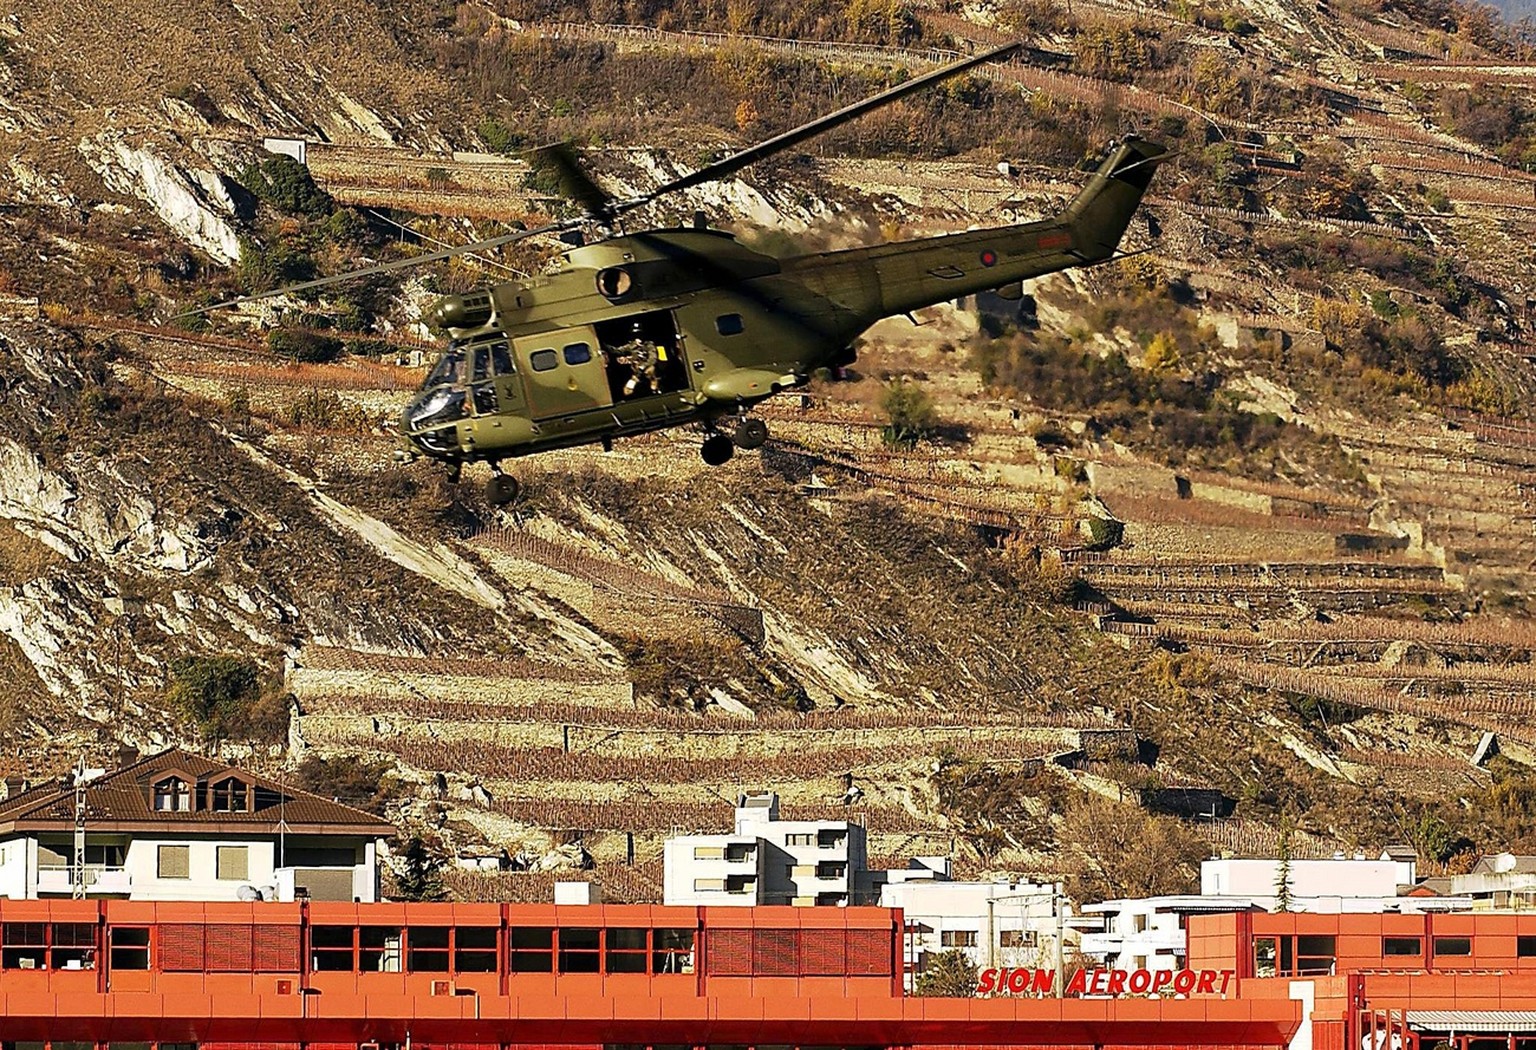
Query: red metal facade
486, 976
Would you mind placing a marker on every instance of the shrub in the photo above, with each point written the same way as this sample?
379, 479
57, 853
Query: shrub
224, 698
307, 347
910, 412
326, 410
366, 785
263, 268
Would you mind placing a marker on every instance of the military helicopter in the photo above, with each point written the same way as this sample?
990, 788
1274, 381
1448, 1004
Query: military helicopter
642, 331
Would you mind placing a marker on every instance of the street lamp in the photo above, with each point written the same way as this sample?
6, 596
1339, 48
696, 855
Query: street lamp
1057, 900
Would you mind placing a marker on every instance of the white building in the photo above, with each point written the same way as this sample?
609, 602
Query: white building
1149, 932
1503, 880
994, 923
768, 861
176, 826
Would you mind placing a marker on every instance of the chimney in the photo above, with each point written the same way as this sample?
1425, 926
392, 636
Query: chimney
15, 786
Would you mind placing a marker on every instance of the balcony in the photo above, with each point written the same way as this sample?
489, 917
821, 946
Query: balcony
99, 878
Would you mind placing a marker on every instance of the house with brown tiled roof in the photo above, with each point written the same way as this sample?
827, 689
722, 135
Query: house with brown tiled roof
178, 826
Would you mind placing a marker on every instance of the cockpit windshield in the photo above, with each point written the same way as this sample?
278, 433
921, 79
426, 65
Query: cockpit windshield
446, 371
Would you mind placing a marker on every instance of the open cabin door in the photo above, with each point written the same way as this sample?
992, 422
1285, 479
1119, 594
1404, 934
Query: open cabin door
563, 372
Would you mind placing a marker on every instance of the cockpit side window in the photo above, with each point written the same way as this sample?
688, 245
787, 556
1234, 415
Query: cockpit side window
502, 358
482, 368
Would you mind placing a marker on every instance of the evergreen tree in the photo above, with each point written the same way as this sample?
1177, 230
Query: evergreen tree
419, 877
948, 974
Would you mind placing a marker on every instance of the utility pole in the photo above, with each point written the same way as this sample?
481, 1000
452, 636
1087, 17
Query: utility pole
78, 881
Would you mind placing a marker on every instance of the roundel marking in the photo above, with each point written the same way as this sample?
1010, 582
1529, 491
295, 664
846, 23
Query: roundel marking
988, 257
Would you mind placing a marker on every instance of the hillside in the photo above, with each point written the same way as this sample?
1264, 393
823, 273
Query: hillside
1303, 413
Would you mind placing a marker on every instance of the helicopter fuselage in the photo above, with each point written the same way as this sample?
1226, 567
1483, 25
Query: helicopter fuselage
655, 329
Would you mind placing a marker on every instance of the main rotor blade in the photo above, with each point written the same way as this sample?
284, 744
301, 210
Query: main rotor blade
737, 161
574, 182
389, 267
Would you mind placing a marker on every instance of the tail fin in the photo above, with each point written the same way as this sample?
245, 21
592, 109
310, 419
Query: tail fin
1102, 211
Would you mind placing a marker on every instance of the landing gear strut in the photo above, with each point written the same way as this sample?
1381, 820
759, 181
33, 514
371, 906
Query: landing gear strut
717, 449
750, 433
501, 489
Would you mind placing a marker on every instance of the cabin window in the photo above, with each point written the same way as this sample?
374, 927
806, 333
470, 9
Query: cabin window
577, 353
482, 367
626, 950
474, 949
428, 949
543, 360
230, 796
485, 399
501, 357
730, 324
1453, 946
234, 862
1402, 946
174, 862
172, 796
330, 948
379, 949
579, 950
671, 951
130, 947
532, 949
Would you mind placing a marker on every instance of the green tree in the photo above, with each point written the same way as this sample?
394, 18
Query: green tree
950, 975
287, 185
910, 413
420, 875
1283, 872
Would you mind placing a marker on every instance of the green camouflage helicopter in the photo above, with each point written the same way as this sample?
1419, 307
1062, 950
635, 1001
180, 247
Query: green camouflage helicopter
648, 330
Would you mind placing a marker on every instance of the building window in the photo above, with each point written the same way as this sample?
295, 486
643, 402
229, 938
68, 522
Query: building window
1315, 955
474, 949
709, 853
1402, 946
73, 946
175, 862
234, 862
580, 950
958, 938
627, 949
331, 948
25, 945
230, 796
739, 851
1453, 946
1525, 947
532, 949
379, 949
708, 885
831, 839
172, 796
428, 949
831, 870
671, 951
1264, 957
130, 947
800, 839
1016, 939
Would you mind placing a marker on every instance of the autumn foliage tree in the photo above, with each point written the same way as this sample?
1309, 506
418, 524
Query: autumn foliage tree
1123, 851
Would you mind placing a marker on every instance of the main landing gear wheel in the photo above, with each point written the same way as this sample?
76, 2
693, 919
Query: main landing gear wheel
501, 489
717, 449
751, 433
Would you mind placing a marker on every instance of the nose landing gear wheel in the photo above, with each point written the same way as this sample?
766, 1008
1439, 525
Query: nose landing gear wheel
717, 449
501, 490
751, 433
